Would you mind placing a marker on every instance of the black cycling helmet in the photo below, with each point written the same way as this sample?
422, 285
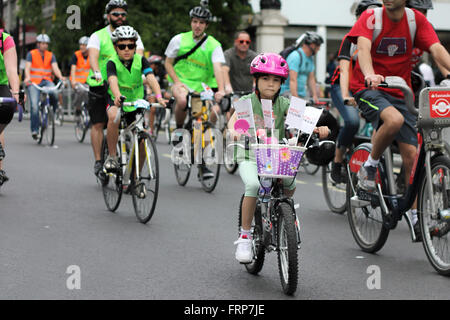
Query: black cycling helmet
114, 4
310, 37
201, 11
322, 154
364, 4
420, 4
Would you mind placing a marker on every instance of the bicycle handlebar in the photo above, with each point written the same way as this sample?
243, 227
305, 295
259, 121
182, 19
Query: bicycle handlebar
47, 89
400, 83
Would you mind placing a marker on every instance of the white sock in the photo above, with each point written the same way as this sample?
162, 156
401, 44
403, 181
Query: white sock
247, 233
371, 162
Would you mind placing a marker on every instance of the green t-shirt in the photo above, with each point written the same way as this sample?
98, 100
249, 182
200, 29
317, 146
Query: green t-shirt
280, 109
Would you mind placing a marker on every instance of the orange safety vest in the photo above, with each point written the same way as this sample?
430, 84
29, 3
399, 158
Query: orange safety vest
82, 68
40, 69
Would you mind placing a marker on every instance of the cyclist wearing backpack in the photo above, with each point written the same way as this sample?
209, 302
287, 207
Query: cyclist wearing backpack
340, 91
385, 38
301, 67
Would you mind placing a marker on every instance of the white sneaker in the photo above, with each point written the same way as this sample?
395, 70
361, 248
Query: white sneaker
244, 252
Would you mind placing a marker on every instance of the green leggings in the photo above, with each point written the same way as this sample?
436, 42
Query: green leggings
249, 175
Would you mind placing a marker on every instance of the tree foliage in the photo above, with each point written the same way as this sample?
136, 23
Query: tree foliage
156, 21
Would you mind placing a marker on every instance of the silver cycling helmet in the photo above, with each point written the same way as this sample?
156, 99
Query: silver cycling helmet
124, 32
113, 4
201, 12
309, 37
420, 4
83, 40
43, 38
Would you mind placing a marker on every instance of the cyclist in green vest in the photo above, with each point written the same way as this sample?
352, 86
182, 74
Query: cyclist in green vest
124, 74
203, 65
101, 49
9, 87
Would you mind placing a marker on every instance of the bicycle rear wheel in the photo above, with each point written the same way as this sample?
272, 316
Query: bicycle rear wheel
211, 155
366, 222
50, 127
258, 240
435, 226
288, 248
145, 190
80, 127
335, 194
111, 183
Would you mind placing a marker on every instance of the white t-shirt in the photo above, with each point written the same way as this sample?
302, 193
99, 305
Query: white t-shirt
94, 41
427, 73
174, 47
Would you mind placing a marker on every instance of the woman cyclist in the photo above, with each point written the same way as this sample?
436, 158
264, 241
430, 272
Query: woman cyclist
270, 70
125, 72
8, 78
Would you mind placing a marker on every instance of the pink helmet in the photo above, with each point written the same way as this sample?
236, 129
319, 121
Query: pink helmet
270, 63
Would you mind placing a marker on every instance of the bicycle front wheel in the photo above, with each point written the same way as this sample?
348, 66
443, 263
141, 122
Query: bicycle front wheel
435, 226
111, 183
59, 116
50, 128
366, 221
80, 127
288, 248
258, 240
335, 193
211, 156
146, 184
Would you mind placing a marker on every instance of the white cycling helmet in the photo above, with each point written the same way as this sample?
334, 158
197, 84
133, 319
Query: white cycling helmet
43, 38
84, 40
124, 32
113, 4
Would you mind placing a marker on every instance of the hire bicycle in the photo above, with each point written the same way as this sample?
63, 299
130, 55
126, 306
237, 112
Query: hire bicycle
373, 215
139, 169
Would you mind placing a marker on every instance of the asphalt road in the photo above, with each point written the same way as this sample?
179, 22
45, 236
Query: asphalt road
58, 241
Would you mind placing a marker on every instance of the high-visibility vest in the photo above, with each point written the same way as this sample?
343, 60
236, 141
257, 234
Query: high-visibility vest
41, 69
82, 68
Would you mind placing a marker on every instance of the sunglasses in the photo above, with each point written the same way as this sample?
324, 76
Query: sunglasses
244, 41
119, 14
130, 46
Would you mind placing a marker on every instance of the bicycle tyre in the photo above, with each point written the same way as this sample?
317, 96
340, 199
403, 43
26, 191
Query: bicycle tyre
50, 130
144, 210
287, 248
436, 245
42, 124
258, 240
210, 184
112, 185
310, 169
80, 128
159, 118
335, 194
369, 242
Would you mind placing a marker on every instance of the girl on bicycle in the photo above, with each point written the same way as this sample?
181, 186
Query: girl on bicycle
270, 70
125, 72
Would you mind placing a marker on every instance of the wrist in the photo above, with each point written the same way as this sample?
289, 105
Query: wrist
158, 96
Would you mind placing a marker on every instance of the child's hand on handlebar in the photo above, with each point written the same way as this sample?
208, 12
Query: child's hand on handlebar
350, 101
323, 132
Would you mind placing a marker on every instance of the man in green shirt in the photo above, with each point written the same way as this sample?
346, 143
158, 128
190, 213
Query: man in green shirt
189, 73
101, 49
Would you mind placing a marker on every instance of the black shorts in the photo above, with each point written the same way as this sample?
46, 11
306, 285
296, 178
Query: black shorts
97, 104
6, 111
129, 116
373, 102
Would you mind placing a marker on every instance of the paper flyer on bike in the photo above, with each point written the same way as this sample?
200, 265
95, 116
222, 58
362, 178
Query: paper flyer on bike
295, 113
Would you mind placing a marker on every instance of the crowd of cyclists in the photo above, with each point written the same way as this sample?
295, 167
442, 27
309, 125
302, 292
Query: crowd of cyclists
111, 63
